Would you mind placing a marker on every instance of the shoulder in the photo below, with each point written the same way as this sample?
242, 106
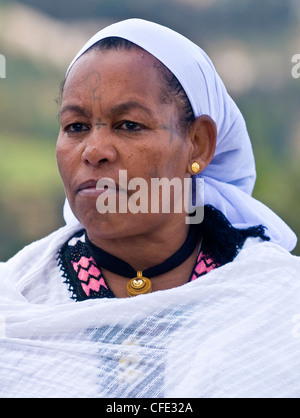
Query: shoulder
267, 256
261, 268
33, 258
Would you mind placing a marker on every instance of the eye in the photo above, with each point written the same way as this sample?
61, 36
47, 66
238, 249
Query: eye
130, 126
75, 128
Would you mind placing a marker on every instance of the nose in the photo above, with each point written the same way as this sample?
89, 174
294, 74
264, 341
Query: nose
98, 149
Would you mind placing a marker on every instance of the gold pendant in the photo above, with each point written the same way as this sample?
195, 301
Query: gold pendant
139, 285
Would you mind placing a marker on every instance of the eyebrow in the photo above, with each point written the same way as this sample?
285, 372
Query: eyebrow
74, 109
130, 105
115, 110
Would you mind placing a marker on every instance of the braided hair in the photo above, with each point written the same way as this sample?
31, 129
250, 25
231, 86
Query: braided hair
221, 241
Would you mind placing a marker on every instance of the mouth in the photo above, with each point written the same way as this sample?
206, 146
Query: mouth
89, 184
96, 187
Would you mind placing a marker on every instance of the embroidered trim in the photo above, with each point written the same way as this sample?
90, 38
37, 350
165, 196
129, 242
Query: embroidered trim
203, 266
84, 277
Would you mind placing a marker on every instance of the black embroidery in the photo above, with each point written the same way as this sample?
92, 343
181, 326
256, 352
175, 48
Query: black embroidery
81, 273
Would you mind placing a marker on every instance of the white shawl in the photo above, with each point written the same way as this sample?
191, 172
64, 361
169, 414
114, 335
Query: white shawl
232, 333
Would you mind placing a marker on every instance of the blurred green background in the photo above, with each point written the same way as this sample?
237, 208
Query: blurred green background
251, 43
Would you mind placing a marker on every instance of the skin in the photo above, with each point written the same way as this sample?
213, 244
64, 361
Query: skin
113, 118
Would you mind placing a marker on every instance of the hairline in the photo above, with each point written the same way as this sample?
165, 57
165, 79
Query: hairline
169, 95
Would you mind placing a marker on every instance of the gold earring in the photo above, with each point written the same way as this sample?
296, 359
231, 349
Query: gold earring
195, 167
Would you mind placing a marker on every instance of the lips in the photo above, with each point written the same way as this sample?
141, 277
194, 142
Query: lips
89, 184
92, 188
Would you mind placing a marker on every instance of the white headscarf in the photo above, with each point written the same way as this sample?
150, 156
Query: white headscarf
230, 177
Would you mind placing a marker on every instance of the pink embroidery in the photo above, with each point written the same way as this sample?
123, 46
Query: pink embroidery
94, 271
204, 266
83, 262
83, 275
89, 273
93, 285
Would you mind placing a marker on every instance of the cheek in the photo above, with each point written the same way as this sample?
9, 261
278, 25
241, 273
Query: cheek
60, 157
144, 162
65, 157
168, 161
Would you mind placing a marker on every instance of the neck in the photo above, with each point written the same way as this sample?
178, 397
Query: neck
142, 251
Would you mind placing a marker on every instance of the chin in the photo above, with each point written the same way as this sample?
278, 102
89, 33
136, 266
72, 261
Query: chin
110, 226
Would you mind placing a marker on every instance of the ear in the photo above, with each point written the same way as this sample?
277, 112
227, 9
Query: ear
203, 137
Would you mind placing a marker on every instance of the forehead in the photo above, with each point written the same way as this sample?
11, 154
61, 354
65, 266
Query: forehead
133, 71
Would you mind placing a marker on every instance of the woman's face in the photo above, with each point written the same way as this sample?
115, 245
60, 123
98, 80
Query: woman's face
114, 117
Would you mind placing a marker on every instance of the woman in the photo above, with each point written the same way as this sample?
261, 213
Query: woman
169, 307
